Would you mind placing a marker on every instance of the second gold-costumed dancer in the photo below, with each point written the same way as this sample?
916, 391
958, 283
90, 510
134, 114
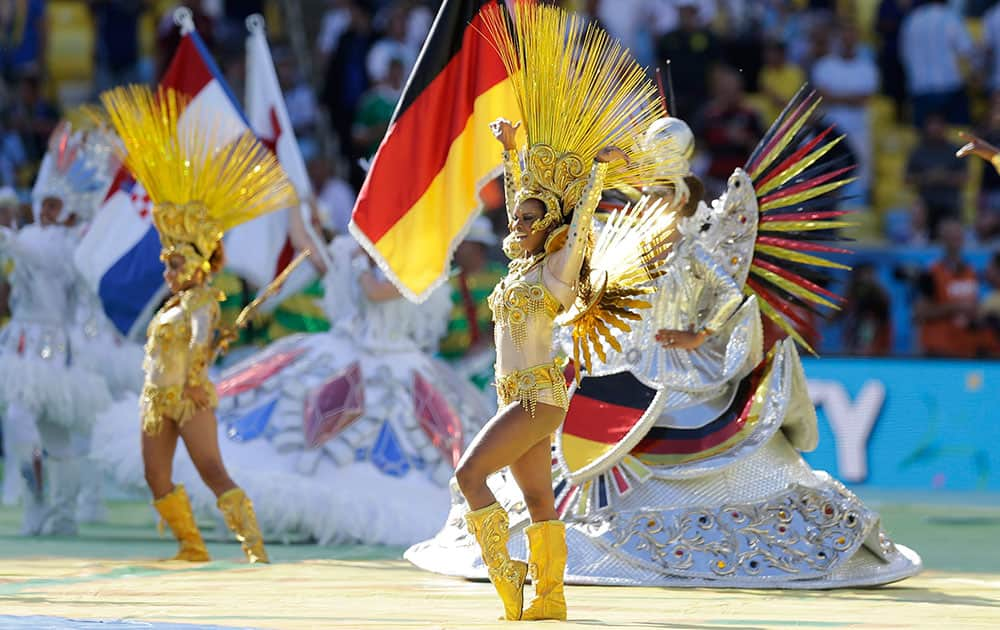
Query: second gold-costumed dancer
201, 183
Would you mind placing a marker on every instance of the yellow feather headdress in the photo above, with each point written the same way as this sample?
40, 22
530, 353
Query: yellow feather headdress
578, 91
201, 181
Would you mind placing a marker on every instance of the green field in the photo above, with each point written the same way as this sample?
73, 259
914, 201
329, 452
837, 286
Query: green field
110, 574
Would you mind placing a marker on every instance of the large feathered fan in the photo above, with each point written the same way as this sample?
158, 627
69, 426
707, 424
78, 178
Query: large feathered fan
794, 185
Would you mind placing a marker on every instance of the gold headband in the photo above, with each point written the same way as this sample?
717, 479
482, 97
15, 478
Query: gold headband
555, 179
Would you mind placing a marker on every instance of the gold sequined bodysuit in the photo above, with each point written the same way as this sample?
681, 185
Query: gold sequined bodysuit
524, 310
527, 300
178, 351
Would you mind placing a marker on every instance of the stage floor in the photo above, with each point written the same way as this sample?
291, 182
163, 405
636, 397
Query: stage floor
108, 575
391, 594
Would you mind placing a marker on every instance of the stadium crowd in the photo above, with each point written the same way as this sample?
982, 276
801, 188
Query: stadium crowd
899, 78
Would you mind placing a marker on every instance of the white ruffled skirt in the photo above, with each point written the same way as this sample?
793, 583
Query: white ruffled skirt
39, 371
332, 442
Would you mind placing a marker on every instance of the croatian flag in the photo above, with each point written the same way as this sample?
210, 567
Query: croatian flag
119, 255
278, 232
282, 232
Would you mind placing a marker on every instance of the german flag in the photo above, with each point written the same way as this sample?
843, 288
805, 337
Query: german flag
421, 192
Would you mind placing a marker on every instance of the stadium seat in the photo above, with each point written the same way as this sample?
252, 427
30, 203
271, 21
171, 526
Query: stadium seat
70, 52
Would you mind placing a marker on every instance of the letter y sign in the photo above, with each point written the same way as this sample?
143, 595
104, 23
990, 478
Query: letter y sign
851, 423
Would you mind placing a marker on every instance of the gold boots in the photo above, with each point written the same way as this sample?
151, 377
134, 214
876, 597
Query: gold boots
490, 527
547, 550
237, 509
175, 511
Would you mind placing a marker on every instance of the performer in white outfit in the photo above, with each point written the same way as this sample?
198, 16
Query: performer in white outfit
48, 395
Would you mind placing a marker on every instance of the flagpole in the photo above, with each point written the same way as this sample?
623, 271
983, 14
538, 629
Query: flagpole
663, 95
255, 24
670, 92
184, 18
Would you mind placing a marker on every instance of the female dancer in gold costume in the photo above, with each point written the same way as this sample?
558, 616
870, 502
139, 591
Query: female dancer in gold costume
200, 186
579, 94
530, 386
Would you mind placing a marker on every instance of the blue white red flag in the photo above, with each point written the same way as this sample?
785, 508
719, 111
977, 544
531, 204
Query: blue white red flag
119, 255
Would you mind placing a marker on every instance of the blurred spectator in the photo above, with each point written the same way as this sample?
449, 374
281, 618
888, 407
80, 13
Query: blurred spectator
847, 81
116, 45
692, 50
887, 26
907, 224
346, 80
589, 12
665, 15
471, 324
867, 320
935, 173
819, 35
729, 128
946, 309
932, 41
375, 109
991, 46
821, 7
335, 23
781, 23
988, 202
419, 19
989, 310
23, 34
299, 97
780, 79
9, 208
33, 117
336, 197
12, 155
628, 21
168, 34
392, 46
737, 24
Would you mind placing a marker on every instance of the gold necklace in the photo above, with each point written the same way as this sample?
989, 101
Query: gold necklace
519, 266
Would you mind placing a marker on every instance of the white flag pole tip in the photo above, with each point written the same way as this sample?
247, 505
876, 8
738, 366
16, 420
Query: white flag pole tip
184, 19
255, 23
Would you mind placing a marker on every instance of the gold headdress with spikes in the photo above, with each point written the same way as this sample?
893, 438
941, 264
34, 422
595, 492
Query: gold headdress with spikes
201, 181
579, 91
